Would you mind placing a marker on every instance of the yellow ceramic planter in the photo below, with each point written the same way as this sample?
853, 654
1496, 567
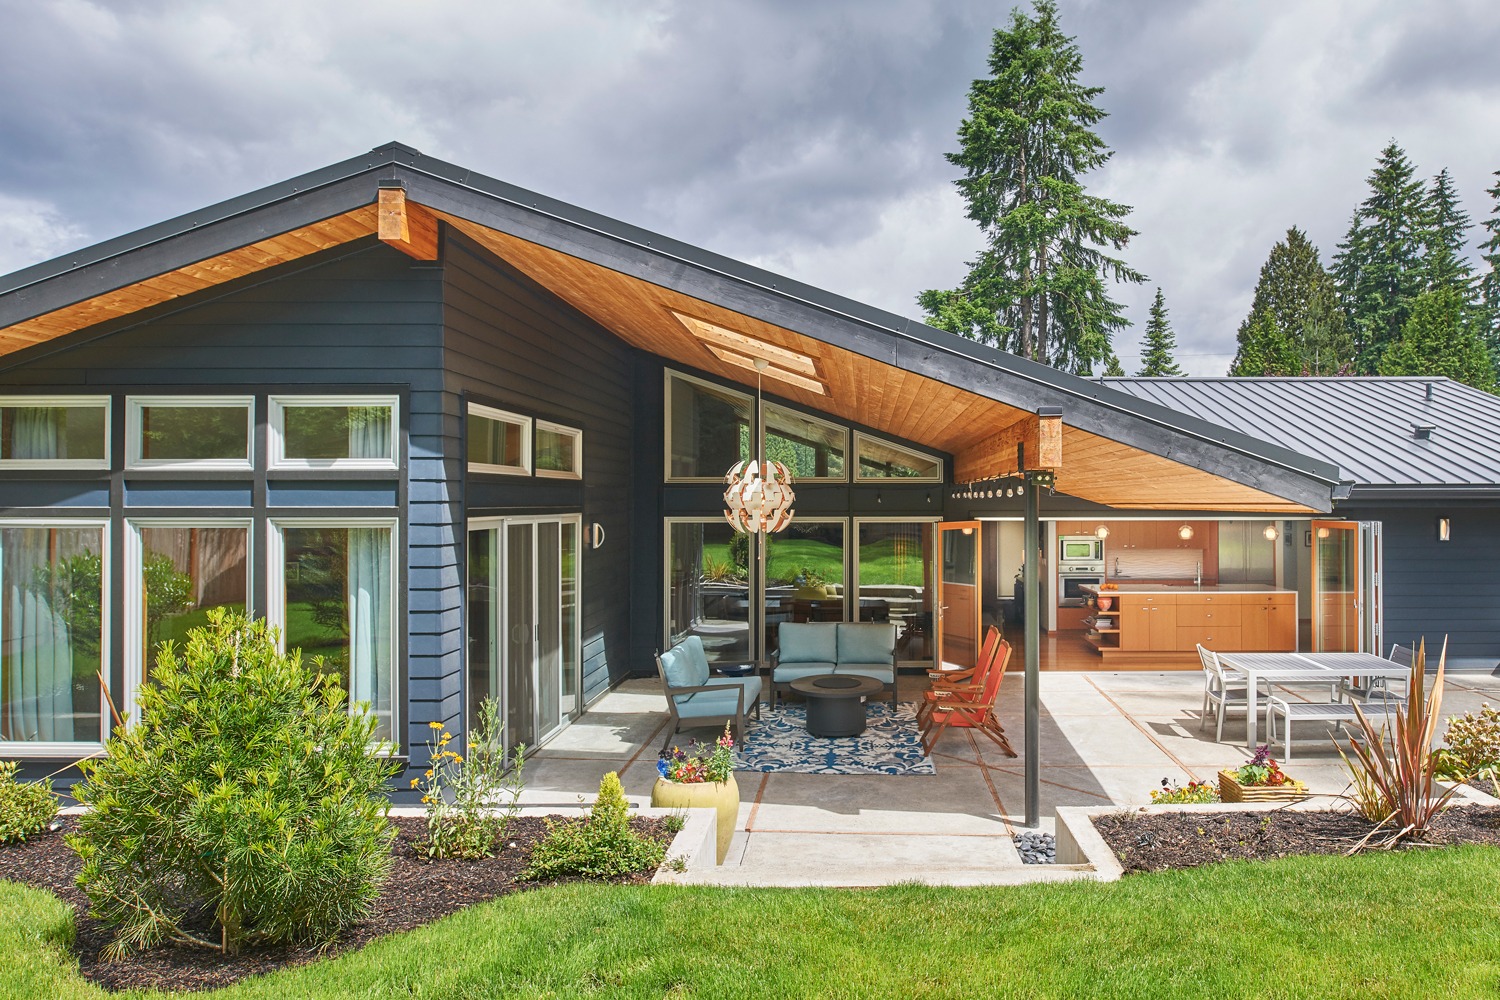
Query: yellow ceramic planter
721, 796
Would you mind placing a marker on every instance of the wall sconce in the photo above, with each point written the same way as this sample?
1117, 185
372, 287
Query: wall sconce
596, 531
1102, 531
1444, 529
1185, 532
1271, 533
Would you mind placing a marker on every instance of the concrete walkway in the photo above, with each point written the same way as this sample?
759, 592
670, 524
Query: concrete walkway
1107, 739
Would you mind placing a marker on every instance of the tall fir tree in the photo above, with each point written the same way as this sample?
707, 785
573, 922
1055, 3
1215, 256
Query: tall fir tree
1265, 349
1445, 233
1039, 288
1379, 264
1489, 282
1441, 338
1157, 358
1302, 297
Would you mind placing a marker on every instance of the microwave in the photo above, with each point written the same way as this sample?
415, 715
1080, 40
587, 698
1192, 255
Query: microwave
1080, 548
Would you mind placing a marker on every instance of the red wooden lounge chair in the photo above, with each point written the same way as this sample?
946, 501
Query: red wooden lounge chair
950, 680
970, 706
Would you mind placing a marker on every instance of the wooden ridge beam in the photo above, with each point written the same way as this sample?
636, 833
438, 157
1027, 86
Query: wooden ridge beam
1034, 442
407, 226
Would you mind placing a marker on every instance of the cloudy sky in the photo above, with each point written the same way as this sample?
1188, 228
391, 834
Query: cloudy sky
806, 136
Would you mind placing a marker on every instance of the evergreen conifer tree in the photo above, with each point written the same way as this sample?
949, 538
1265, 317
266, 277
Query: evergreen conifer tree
1440, 338
1303, 299
1379, 264
1157, 358
1112, 367
1489, 282
1039, 286
1265, 349
1444, 234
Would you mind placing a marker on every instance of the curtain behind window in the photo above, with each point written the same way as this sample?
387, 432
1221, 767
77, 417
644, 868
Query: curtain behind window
370, 432
370, 622
37, 651
37, 433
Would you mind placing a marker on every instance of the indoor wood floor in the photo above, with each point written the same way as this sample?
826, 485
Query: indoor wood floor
1065, 651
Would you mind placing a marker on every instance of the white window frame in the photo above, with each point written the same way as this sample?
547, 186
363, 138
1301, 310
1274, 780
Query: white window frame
504, 417
576, 434
133, 605
276, 457
666, 437
77, 749
765, 435
276, 593
860, 437
135, 404
70, 402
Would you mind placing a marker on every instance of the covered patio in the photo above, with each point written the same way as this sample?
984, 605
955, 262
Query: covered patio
1107, 738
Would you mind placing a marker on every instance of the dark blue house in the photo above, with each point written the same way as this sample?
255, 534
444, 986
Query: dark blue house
465, 441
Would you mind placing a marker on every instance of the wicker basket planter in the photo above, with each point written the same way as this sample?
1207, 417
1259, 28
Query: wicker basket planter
1230, 790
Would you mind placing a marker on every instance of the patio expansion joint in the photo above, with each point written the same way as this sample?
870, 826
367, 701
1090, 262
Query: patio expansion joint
990, 784
650, 741
1143, 730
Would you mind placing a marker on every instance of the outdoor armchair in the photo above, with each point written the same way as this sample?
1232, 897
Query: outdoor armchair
697, 698
968, 681
973, 707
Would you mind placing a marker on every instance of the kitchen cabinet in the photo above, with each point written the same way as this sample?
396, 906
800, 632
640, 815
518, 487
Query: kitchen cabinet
1143, 620
1269, 622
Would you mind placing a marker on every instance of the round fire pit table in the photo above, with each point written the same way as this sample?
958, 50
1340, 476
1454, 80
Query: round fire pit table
836, 702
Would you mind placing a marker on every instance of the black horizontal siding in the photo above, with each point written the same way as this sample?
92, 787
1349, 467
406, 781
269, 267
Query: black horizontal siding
513, 344
1435, 589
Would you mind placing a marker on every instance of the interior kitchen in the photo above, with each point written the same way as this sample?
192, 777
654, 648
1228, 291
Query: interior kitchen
1143, 593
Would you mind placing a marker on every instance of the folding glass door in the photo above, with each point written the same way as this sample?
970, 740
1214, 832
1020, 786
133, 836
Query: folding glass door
1346, 586
959, 589
523, 623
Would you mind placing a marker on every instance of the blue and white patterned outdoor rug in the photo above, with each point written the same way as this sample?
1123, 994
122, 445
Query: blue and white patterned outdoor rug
890, 744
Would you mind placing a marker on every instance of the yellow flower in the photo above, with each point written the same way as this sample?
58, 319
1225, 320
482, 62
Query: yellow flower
458, 759
434, 725
414, 780
428, 774
426, 800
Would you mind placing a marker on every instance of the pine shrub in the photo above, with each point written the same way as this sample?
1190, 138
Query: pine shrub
26, 807
601, 846
247, 798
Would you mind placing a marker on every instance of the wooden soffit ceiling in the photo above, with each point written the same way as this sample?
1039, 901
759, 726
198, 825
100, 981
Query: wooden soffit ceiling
860, 389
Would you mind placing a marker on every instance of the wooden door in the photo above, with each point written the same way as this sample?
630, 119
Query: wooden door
959, 587
1337, 575
1255, 625
1281, 623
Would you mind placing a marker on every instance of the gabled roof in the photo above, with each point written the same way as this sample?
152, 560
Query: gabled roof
1371, 426
885, 371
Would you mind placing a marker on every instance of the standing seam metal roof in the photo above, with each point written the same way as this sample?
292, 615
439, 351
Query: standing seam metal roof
1364, 424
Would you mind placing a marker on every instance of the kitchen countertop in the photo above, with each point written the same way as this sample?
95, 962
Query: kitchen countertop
1185, 588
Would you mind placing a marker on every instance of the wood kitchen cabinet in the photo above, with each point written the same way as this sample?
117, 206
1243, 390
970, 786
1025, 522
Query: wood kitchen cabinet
1224, 621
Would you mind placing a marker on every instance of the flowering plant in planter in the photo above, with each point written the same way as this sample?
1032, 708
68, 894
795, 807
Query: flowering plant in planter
1262, 771
699, 763
1193, 793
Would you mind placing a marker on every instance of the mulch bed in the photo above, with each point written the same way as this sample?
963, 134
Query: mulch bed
1153, 842
418, 891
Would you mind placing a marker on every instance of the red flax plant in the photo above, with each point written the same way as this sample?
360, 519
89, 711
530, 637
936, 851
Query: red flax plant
1404, 782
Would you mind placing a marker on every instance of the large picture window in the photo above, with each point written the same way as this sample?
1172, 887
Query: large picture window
334, 596
708, 587
341, 432
708, 429
205, 432
53, 619
179, 571
54, 432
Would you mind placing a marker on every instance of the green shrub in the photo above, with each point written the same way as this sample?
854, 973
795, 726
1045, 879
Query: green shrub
601, 846
26, 807
485, 788
246, 791
1473, 744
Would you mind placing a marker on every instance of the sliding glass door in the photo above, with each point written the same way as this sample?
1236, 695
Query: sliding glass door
523, 623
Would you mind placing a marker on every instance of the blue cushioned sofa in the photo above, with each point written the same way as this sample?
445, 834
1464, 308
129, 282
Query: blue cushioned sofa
867, 649
696, 697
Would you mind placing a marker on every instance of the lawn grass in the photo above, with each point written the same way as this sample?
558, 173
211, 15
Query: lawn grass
879, 562
1421, 924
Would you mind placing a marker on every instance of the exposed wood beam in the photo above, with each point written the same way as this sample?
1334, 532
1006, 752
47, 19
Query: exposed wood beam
1038, 437
407, 226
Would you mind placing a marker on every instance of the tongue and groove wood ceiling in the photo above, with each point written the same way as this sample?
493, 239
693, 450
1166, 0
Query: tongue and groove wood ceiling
659, 320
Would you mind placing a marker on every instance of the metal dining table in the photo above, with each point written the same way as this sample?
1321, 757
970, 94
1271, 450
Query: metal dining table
1302, 668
